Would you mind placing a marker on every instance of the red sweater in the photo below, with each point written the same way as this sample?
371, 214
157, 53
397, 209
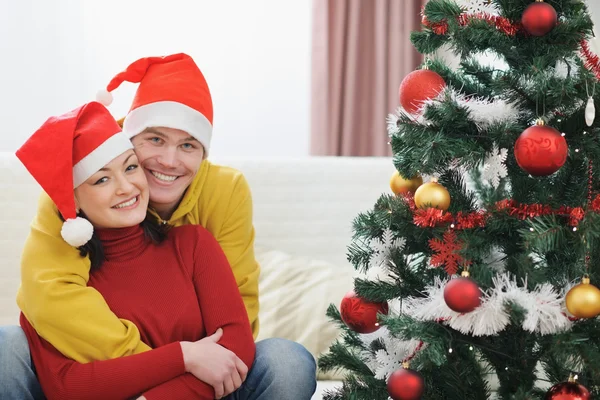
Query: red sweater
180, 290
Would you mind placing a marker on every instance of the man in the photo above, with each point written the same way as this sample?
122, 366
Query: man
170, 125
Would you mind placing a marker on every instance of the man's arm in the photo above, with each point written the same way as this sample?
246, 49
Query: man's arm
56, 300
236, 238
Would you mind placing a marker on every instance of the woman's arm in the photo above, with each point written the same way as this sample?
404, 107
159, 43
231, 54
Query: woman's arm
119, 378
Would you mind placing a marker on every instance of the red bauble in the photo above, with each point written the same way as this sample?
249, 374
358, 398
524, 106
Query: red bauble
462, 295
568, 391
405, 384
541, 150
361, 315
418, 86
539, 18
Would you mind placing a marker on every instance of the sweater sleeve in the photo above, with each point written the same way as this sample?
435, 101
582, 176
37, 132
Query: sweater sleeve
183, 387
119, 378
221, 306
236, 238
54, 285
219, 298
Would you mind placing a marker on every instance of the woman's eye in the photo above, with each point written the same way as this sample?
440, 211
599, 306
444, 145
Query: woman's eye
131, 167
101, 180
188, 146
155, 139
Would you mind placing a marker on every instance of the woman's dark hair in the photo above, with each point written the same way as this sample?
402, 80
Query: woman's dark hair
153, 231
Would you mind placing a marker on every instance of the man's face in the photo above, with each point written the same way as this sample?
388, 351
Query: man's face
170, 159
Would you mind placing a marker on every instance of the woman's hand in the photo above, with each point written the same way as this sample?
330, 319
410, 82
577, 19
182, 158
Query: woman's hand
214, 364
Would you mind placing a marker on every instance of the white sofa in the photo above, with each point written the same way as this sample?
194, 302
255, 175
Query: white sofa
303, 212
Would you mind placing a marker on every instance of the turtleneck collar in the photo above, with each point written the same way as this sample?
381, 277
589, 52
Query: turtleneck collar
122, 244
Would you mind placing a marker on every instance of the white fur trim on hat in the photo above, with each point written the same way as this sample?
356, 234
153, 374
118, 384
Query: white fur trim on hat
113, 147
77, 231
104, 97
169, 114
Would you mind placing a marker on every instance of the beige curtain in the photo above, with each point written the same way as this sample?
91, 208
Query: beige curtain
361, 51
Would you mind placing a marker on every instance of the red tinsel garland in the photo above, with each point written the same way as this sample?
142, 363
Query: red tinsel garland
501, 23
432, 217
592, 61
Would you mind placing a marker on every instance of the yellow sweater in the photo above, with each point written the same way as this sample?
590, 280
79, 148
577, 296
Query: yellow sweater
75, 318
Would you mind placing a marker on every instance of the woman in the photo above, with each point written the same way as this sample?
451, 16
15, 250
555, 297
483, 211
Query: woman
177, 288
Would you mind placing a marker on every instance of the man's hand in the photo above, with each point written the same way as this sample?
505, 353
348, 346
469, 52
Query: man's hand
214, 364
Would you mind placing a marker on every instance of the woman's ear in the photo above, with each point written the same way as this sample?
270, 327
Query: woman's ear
77, 208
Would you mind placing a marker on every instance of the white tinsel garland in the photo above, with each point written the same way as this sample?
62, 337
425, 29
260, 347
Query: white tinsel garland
484, 112
545, 312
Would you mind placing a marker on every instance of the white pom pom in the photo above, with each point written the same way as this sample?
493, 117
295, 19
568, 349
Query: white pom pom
77, 231
104, 97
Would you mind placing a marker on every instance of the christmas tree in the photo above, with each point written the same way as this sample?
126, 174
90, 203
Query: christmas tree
477, 270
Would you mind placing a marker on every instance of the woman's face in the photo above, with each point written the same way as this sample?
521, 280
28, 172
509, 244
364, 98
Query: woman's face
117, 195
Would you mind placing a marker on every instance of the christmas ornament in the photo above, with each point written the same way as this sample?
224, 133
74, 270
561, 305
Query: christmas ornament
493, 166
405, 384
570, 390
419, 86
583, 300
447, 252
383, 247
400, 185
361, 315
432, 194
390, 358
541, 150
478, 6
590, 109
462, 294
590, 112
382, 250
539, 18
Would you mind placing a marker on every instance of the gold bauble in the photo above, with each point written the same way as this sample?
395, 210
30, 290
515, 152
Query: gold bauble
583, 300
400, 185
432, 194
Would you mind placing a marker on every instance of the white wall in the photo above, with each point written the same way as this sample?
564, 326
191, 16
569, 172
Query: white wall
594, 7
255, 55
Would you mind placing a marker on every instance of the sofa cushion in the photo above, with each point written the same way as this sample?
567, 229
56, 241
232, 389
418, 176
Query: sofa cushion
294, 295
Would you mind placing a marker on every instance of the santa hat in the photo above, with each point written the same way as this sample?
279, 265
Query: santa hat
172, 93
65, 151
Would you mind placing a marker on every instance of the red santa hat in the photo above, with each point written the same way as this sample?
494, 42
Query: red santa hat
65, 151
172, 93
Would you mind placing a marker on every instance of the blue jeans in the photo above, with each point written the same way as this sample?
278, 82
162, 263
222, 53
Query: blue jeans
282, 370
